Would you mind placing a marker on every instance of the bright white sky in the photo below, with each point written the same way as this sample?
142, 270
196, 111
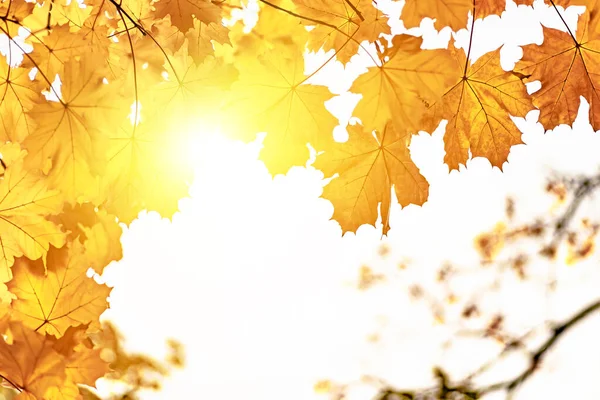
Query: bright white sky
259, 285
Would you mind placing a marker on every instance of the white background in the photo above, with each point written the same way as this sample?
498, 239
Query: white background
260, 286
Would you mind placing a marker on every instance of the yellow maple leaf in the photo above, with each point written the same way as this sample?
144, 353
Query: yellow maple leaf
478, 108
200, 39
25, 204
147, 165
18, 94
72, 134
342, 24
271, 96
402, 87
368, 166
146, 169
96, 229
567, 68
277, 27
63, 296
50, 52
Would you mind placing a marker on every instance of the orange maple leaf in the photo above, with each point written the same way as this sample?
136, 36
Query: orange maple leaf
52, 51
567, 67
83, 362
183, 12
29, 362
452, 13
478, 108
53, 300
368, 165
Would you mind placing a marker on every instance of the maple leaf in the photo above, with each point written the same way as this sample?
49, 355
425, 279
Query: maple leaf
94, 228
140, 10
368, 165
342, 25
478, 108
147, 167
83, 362
15, 10
136, 51
71, 134
25, 204
277, 27
140, 172
566, 66
55, 49
271, 96
183, 12
50, 301
29, 361
452, 13
17, 96
402, 87
200, 40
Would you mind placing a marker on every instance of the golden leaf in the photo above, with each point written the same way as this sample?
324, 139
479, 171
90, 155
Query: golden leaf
63, 296
368, 166
478, 108
25, 204
567, 68
402, 87
271, 96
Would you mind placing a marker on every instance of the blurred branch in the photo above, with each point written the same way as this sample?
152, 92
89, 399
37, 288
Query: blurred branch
445, 389
583, 187
552, 232
536, 357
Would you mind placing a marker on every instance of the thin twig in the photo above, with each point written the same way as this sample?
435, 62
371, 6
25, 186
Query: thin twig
293, 14
564, 22
135, 23
536, 357
470, 43
353, 7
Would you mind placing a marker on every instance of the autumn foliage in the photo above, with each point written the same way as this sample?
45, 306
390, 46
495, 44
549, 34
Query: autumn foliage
99, 99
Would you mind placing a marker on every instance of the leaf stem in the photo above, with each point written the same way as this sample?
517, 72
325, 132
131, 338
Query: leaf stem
470, 42
564, 22
20, 389
123, 12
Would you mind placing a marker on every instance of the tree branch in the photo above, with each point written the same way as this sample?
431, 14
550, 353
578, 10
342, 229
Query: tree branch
536, 357
123, 12
446, 389
353, 7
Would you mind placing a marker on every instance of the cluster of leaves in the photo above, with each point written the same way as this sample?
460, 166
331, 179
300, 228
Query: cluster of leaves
93, 95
